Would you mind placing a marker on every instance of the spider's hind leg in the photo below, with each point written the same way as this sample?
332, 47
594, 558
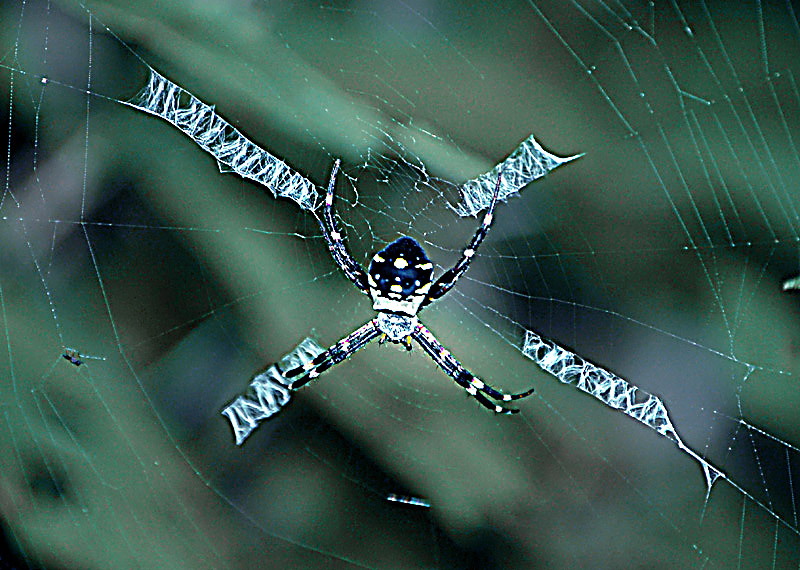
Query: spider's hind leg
334, 355
475, 387
496, 394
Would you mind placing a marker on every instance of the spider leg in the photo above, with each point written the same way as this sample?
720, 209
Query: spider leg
449, 277
335, 354
333, 237
475, 387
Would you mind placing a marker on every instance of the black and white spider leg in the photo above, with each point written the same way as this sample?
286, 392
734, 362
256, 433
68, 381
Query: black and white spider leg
333, 237
335, 354
449, 277
475, 387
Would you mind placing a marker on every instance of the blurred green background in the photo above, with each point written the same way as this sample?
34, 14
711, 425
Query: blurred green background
659, 255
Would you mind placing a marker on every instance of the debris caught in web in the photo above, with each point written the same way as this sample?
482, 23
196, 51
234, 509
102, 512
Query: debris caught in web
268, 393
233, 151
417, 502
612, 390
528, 162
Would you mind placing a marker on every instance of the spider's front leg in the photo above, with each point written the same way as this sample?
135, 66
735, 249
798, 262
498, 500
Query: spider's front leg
335, 354
475, 387
335, 240
448, 279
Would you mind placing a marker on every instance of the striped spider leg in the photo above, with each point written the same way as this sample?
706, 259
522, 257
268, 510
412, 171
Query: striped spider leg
475, 387
340, 351
351, 268
449, 277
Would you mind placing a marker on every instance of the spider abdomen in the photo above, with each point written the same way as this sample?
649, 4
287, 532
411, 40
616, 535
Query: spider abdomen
400, 276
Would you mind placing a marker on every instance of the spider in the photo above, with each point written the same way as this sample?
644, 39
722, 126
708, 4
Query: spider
400, 282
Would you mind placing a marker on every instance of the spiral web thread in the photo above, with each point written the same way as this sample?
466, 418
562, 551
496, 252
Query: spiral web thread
526, 163
268, 393
612, 390
233, 151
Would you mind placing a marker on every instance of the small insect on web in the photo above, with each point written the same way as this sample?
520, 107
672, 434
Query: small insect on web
72, 356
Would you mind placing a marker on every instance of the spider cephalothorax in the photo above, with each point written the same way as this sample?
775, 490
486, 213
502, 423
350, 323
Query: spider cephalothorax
400, 282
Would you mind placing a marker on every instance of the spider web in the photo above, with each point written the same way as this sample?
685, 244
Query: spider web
142, 290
